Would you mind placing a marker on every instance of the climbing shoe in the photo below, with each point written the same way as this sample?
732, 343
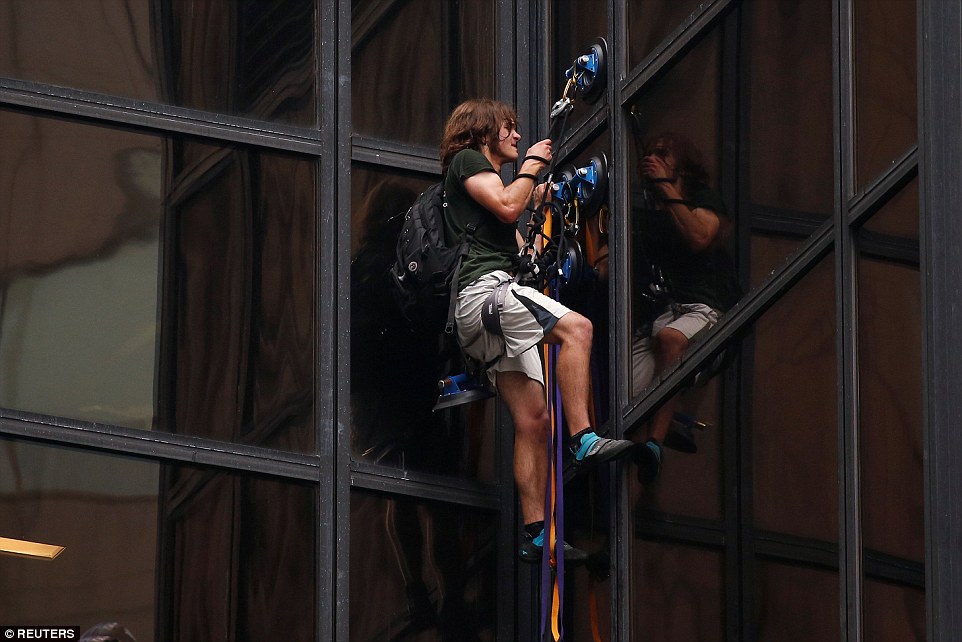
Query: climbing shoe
648, 460
533, 547
589, 450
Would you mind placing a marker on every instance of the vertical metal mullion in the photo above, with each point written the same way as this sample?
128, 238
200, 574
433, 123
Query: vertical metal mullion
731, 167
619, 341
850, 549
509, 88
332, 395
940, 172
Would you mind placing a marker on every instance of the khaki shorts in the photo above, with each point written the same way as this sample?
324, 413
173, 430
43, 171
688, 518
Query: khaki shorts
528, 316
687, 318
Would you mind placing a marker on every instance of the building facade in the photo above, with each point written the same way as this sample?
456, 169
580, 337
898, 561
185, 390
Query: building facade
210, 404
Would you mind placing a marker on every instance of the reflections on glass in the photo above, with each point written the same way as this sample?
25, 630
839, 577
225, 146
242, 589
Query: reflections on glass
897, 221
790, 128
394, 371
796, 603
649, 23
421, 570
678, 593
236, 352
890, 392
412, 62
88, 214
180, 542
793, 411
885, 84
893, 613
79, 269
73, 499
577, 25
681, 272
209, 56
210, 520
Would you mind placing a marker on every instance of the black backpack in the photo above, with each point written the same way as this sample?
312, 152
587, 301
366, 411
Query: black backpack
425, 270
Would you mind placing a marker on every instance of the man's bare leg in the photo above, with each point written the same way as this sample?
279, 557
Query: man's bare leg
670, 345
524, 398
573, 332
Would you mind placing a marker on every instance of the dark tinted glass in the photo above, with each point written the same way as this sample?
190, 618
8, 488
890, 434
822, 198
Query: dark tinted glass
890, 390
790, 125
676, 121
157, 283
651, 21
796, 604
412, 62
421, 570
155, 555
793, 411
240, 57
579, 26
395, 372
885, 84
677, 593
893, 613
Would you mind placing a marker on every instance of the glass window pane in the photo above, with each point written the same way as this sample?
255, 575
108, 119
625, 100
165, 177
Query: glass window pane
157, 283
578, 26
676, 122
678, 593
394, 372
885, 84
794, 423
421, 570
182, 530
790, 127
796, 604
400, 50
650, 22
208, 56
893, 613
890, 397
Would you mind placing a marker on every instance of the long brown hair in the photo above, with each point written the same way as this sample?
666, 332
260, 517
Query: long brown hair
473, 124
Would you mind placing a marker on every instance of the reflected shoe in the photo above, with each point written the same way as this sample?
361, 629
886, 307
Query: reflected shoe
532, 549
648, 459
592, 450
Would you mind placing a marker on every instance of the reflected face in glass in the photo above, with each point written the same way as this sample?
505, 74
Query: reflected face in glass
659, 161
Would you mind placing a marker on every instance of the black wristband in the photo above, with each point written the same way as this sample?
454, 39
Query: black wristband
526, 175
537, 158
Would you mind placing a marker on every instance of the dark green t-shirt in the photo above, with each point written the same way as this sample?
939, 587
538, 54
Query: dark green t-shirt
495, 243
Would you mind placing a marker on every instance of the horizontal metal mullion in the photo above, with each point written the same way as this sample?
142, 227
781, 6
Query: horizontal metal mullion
783, 221
167, 446
894, 569
661, 526
156, 117
672, 48
395, 155
876, 195
733, 322
424, 486
786, 548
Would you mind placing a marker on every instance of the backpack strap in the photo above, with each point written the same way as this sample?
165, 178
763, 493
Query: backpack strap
470, 231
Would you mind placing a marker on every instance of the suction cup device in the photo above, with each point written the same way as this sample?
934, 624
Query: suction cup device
589, 184
460, 389
589, 71
573, 267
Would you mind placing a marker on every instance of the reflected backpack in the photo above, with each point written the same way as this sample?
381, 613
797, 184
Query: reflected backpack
425, 270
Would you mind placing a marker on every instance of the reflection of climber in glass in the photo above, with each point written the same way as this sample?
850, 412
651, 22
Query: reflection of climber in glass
683, 276
394, 375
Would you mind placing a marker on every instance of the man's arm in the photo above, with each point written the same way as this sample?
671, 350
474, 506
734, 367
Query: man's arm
508, 202
699, 227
